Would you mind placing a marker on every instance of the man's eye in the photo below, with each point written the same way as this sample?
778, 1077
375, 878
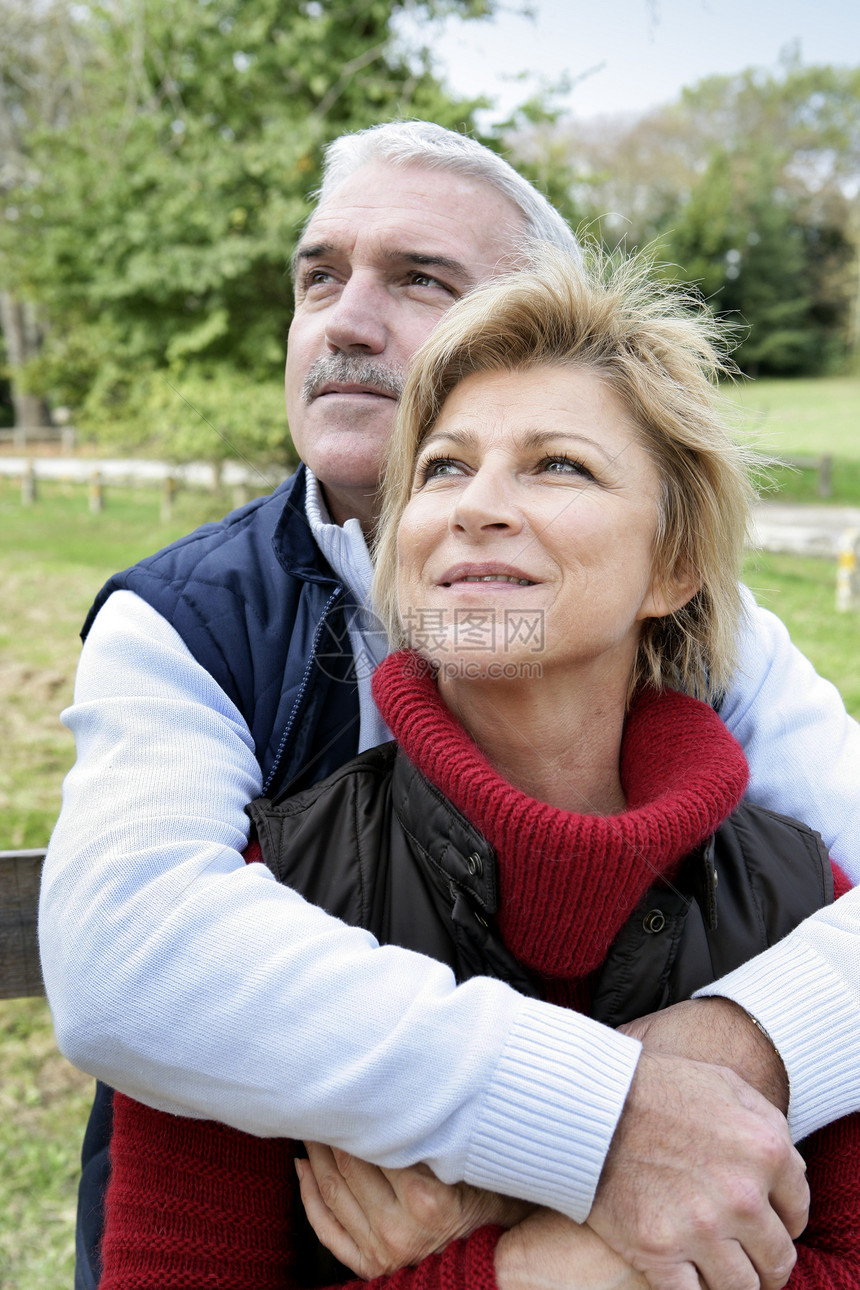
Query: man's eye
427, 280
316, 278
565, 466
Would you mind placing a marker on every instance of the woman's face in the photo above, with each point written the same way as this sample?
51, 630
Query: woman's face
529, 535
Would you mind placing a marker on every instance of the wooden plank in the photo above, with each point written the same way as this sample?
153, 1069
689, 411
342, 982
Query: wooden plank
20, 875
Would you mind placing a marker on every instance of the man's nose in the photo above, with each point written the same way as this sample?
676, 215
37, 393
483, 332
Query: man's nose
357, 322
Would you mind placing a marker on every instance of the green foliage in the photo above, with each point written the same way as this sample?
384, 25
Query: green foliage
43, 1109
745, 186
197, 413
746, 246
156, 220
54, 556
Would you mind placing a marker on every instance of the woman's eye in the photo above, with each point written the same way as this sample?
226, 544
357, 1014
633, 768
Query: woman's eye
565, 466
438, 468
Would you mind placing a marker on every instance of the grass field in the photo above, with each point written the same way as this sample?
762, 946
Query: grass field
53, 558
802, 416
805, 418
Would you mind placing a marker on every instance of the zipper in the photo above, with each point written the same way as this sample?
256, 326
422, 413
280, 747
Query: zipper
335, 595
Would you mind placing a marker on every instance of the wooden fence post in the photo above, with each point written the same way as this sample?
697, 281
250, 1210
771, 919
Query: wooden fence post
168, 494
825, 476
97, 495
28, 485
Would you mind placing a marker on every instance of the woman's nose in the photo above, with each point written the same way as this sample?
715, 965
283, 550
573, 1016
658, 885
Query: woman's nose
356, 322
487, 502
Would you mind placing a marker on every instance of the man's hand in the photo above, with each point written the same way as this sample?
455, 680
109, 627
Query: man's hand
716, 1030
701, 1178
550, 1252
378, 1220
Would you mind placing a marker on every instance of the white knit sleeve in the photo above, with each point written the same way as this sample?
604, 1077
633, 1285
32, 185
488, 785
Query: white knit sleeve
804, 756
802, 747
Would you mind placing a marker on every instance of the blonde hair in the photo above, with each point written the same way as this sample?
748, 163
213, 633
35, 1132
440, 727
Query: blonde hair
662, 354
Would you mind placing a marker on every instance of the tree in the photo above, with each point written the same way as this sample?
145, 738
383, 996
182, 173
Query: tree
41, 63
746, 184
170, 202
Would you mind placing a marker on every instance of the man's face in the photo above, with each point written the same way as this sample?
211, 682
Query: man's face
379, 264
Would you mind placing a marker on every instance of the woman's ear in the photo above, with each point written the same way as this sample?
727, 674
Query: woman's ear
668, 595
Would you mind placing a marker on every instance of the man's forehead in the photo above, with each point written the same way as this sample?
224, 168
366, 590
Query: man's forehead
413, 214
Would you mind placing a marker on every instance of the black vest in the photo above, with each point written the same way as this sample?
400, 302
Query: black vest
378, 846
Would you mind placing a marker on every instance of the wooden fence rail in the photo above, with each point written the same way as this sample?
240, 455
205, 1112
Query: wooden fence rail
20, 875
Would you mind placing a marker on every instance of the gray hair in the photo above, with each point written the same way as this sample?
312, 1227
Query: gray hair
424, 143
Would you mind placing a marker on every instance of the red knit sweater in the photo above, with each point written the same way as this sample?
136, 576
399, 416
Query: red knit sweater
192, 1203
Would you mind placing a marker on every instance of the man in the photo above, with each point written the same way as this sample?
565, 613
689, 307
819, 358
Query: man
222, 668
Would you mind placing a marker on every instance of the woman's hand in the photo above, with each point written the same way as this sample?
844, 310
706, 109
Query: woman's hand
550, 1252
378, 1220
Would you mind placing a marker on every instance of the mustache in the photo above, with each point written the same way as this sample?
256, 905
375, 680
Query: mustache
349, 369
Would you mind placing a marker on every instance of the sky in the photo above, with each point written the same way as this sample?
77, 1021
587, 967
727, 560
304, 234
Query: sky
636, 54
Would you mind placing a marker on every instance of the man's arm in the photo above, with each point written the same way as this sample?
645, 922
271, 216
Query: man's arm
805, 992
198, 984
802, 747
804, 756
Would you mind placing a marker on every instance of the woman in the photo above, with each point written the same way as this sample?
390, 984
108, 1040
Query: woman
563, 526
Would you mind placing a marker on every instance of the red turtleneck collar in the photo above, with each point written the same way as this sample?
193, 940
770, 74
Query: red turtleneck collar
568, 882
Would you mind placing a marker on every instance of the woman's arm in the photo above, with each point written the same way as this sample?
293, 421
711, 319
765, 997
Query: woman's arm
550, 1252
377, 1220
193, 1202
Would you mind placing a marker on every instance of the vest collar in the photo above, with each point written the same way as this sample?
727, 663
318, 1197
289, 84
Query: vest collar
293, 542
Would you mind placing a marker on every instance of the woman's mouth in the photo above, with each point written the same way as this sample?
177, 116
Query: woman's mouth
493, 577
486, 572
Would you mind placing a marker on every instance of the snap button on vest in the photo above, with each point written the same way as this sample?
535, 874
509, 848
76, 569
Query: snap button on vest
654, 921
475, 863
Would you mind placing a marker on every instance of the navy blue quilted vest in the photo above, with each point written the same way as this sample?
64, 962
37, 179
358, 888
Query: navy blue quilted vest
261, 610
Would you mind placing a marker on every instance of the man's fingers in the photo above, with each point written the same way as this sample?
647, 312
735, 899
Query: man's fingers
701, 1164
761, 1259
730, 1267
677, 1276
790, 1196
771, 1250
